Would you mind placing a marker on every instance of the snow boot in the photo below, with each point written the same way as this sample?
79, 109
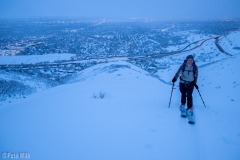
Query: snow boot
182, 109
190, 116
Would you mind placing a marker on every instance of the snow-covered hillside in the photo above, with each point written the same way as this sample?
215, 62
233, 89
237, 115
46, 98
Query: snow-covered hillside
17, 83
118, 111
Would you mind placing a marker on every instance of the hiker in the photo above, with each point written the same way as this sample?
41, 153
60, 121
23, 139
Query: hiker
188, 73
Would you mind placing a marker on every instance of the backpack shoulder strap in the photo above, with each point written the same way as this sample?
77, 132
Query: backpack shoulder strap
184, 65
195, 68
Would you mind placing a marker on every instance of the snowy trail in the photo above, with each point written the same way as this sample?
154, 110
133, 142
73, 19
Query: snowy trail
186, 136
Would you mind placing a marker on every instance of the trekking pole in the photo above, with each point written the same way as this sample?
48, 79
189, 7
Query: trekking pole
201, 98
171, 95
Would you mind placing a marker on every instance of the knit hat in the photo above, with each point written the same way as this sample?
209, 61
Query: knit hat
190, 57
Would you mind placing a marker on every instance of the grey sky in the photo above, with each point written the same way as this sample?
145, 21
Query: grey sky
161, 9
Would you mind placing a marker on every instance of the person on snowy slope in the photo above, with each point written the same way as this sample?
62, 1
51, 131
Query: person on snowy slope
188, 73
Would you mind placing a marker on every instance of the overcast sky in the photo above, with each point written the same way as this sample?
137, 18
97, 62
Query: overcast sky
160, 9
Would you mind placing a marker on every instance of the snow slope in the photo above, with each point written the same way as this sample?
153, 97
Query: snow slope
231, 42
117, 111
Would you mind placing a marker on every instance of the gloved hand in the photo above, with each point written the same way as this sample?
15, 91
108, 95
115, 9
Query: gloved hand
195, 85
174, 79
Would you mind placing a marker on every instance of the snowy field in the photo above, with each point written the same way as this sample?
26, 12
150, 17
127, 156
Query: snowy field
118, 111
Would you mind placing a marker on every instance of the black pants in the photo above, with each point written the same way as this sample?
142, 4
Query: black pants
187, 90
